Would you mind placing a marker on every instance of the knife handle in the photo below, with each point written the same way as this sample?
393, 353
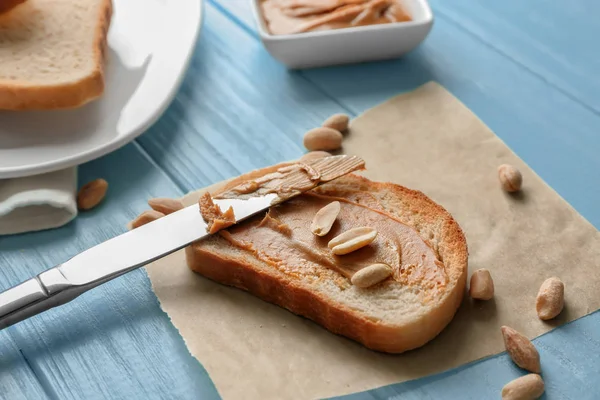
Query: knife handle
47, 290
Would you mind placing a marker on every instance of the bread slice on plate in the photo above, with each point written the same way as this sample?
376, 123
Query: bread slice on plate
276, 257
7, 5
52, 53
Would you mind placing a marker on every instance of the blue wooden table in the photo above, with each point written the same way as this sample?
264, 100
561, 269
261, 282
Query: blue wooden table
528, 69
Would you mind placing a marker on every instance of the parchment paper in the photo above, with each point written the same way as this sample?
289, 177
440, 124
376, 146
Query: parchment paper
426, 140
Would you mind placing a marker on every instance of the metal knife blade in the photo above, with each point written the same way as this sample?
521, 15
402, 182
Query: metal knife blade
151, 242
137, 248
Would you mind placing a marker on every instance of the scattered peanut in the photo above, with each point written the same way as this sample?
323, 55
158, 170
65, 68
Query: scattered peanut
165, 206
324, 218
528, 387
314, 155
521, 350
550, 299
145, 218
510, 178
339, 122
323, 139
371, 275
91, 194
352, 240
482, 285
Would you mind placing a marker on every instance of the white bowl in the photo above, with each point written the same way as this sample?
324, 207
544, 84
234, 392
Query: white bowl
348, 45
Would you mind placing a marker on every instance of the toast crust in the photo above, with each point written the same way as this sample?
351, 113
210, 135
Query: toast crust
20, 96
7, 5
273, 286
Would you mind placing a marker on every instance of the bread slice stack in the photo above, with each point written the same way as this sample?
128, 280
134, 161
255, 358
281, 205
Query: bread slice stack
52, 53
401, 313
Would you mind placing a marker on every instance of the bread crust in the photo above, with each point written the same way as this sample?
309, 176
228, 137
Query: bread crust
20, 96
273, 286
7, 5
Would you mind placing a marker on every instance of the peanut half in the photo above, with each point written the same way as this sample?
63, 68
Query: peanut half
482, 285
165, 206
339, 122
528, 387
145, 218
91, 194
371, 275
314, 155
510, 178
352, 240
550, 299
324, 218
323, 139
521, 350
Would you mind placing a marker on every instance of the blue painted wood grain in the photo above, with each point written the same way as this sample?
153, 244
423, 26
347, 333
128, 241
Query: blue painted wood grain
17, 377
238, 109
556, 40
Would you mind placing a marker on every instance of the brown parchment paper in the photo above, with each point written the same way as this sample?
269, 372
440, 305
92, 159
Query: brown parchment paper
425, 140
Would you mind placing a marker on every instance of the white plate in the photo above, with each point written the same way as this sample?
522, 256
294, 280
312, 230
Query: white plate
151, 43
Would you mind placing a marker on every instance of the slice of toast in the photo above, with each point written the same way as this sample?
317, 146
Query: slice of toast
7, 5
53, 53
394, 316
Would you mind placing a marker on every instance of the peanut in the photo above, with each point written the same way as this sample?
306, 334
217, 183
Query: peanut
339, 122
324, 218
352, 240
314, 155
528, 387
550, 299
510, 178
145, 218
323, 139
165, 206
371, 275
521, 350
482, 285
91, 194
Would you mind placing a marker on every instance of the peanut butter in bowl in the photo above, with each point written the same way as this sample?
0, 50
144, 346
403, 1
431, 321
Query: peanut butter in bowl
284, 17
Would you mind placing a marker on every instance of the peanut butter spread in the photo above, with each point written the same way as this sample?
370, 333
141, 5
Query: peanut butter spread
213, 216
296, 16
286, 182
283, 239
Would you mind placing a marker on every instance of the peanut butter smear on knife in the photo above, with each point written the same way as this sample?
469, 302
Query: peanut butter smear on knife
286, 182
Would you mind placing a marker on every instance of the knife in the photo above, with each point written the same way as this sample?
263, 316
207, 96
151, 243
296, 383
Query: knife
143, 245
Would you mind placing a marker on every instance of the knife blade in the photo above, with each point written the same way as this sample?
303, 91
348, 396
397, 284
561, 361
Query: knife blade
143, 245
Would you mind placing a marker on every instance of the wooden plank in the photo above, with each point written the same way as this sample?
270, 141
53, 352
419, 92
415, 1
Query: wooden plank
239, 11
553, 39
237, 110
18, 380
112, 342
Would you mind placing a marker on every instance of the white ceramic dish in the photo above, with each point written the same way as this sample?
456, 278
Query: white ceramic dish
151, 43
349, 45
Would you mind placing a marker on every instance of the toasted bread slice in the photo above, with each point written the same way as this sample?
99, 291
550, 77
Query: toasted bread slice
391, 316
7, 5
53, 53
